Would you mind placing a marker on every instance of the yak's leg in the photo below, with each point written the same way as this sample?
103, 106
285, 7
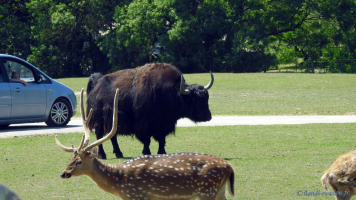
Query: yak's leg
146, 146
116, 147
99, 132
161, 144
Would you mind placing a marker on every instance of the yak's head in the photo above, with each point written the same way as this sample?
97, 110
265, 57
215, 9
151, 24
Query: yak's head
196, 97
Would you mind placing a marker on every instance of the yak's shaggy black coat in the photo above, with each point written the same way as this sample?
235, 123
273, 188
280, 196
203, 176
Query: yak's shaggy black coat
150, 103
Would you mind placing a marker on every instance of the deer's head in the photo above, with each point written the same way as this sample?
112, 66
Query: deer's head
341, 176
84, 156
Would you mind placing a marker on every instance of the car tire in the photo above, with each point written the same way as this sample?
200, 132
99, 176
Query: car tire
59, 114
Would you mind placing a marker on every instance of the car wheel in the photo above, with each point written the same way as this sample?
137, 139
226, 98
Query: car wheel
4, 126
60, 113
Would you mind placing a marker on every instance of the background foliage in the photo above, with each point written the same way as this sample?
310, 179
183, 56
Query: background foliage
67, 38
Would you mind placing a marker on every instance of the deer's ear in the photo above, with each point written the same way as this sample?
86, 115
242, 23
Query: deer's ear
347, 181
333, 178
94, 151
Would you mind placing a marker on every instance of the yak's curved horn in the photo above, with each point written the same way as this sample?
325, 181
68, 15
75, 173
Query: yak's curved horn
211, 82
64, 148
113, 129
182, 88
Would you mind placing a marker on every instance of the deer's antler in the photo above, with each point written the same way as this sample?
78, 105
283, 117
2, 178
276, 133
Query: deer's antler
85, 120
64, 148
83, 147
113, 129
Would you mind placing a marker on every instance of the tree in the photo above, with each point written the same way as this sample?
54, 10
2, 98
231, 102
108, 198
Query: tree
76, 38
15, 28
197, 36
138, 26
68, 33
342, 16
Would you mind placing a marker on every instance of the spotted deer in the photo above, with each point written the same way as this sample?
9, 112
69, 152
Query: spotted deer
341, 176
154, 177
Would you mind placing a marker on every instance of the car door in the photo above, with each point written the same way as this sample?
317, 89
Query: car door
27, 101
5, 96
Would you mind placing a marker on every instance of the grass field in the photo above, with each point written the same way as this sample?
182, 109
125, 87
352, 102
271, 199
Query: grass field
270, 162
271, 93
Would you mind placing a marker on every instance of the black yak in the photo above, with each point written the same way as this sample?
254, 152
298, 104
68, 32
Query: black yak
152, 98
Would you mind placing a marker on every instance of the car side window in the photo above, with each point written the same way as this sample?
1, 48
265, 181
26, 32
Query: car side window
1, 78
17, 70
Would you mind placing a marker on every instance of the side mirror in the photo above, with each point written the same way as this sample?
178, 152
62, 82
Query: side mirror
39, 79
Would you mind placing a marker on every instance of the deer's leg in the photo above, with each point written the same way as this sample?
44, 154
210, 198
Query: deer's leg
146, 145
221, 193
99, 132
343, 192
206, 198
116, 147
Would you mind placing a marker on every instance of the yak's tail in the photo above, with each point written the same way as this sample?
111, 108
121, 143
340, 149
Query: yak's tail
93, 79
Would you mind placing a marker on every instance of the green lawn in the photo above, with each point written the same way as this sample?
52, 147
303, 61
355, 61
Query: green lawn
271, 93
270, 162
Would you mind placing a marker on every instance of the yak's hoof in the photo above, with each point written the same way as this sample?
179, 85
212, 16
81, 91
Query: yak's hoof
119, 155
161, 152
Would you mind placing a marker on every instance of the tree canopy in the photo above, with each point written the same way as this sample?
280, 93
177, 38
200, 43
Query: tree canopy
67, 38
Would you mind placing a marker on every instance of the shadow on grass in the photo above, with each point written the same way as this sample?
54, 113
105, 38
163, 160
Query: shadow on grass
232, 159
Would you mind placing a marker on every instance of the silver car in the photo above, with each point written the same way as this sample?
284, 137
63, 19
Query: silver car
28, 95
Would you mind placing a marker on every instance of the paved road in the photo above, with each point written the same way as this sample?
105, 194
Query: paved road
75, 125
